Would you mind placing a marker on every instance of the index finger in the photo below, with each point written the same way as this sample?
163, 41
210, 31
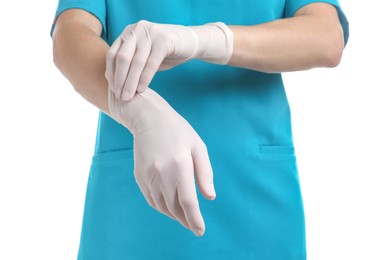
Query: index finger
111, 62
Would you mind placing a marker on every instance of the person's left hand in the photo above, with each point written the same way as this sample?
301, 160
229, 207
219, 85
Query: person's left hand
144, 48
168, 154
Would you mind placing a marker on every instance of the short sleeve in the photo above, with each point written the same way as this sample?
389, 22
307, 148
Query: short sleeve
294, 5
95, 7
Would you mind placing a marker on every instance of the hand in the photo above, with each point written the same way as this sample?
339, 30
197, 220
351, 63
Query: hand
144, 48
167, 152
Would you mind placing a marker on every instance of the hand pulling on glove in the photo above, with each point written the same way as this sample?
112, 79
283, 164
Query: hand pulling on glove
144, 48
167, 153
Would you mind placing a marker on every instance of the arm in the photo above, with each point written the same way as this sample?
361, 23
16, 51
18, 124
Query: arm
312, 38
80, 54
167, 150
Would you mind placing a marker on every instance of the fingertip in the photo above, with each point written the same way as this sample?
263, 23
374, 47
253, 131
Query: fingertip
211, 197
126, 95
207, 189
212, 191
199, 228
199, 232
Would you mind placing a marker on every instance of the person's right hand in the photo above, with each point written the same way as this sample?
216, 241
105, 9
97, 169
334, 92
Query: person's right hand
167, 152
143, 48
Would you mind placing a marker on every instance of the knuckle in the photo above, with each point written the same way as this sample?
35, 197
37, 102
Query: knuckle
156, 167
127, 31
127, 93
178, 160
141, 26
143, 22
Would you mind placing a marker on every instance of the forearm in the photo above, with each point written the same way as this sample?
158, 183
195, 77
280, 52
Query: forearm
80, 54
302, 42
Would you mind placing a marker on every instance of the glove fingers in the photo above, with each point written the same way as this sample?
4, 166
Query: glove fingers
141, 56
188, 200
123, 64
203, 170
172, 199
155, 59
159, 199
146, 192
111, 62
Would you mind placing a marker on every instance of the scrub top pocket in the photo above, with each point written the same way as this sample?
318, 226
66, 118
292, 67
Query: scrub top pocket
118, 222
258, 185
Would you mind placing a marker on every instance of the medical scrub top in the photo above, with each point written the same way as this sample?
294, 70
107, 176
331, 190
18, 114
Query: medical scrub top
243, 117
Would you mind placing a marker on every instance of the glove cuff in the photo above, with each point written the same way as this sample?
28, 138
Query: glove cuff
215, 42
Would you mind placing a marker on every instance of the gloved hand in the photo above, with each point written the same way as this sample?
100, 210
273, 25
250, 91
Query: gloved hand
144, 48
167, 152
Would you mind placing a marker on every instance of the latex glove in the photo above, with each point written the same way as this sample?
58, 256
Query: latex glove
144, 48
167, 152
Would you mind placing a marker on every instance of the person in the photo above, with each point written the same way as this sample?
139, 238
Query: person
192, 101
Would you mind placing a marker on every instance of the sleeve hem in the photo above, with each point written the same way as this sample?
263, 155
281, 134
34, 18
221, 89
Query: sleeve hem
292, 9
84, 6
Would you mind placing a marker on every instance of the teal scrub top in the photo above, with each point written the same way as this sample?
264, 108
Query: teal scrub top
243, 116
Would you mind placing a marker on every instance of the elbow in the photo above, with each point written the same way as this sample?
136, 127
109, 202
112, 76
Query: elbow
333, 49
332, 58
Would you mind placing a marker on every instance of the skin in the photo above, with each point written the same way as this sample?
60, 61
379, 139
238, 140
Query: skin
312, 38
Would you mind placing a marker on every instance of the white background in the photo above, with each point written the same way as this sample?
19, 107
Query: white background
341, 128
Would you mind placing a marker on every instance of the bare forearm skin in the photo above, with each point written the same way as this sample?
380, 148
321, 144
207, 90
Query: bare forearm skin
312, 38
80, 54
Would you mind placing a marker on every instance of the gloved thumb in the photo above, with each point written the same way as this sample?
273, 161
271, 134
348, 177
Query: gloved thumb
203, 171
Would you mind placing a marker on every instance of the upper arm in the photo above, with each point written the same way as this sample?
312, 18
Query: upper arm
321, 9
326, 16
325, 19
85, 13
72, 18
327, 11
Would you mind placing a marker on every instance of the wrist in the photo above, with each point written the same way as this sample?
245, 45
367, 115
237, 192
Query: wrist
146, 109
215, 42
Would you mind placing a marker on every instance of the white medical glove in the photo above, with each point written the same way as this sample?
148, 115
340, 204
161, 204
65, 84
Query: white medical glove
144, 48
167, 152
